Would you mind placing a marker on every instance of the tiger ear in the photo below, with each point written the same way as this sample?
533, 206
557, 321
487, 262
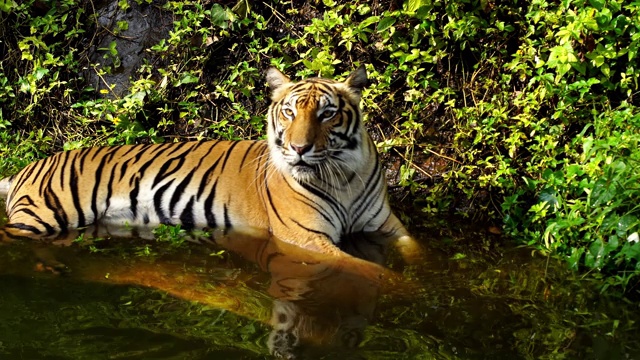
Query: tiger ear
276, 79
358, 79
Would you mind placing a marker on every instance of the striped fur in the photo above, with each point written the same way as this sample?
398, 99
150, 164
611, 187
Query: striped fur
315, 179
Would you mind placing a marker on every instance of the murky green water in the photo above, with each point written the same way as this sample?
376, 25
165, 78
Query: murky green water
245, 298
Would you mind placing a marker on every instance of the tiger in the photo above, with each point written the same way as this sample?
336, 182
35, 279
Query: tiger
315, 178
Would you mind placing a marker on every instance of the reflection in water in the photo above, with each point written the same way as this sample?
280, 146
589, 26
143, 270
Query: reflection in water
318, 300
471, 298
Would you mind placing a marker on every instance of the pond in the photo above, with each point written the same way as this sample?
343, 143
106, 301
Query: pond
241, 297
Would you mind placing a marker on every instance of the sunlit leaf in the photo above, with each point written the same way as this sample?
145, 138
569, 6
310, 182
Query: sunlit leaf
385, 23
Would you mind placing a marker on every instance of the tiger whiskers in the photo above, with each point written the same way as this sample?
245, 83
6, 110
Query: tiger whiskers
323, 168
347, 164
266, 169
335, 172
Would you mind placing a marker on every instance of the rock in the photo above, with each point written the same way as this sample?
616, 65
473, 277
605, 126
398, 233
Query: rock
119, 52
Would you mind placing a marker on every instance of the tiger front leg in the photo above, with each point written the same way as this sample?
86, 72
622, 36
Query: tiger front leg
393, 232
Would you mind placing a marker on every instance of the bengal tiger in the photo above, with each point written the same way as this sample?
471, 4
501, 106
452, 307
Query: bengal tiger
315, 179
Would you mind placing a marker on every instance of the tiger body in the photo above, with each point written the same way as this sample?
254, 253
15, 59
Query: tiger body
113, 185
315, 179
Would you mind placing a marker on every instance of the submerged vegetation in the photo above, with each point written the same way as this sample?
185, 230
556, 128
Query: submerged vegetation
522, 113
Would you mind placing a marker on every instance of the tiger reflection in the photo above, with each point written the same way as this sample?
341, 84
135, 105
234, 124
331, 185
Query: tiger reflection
319, 300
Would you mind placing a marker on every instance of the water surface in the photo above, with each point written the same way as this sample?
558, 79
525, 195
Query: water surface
242, 297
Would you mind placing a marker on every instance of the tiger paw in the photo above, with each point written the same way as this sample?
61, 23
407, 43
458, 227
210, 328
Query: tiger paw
410, 250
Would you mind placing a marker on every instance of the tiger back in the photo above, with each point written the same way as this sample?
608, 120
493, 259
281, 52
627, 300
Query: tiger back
314, 180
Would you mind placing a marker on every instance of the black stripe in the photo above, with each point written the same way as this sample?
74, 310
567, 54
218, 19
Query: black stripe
228, 154
164, 171
245, 155
49, 166
157, 203
175, 147
186, 218
227, 221
208, 207
139, 149
272, 205
313, 231
50, 229
42, 164
98, 179
381, 205
25, 227
30, 213
9, 235
336, 206
133, 195
65, 155
366, 197
75, 196
82, 155
309, 202
123, 171
205, 178
27, 198
351, 142
112, 176
52, 202
270, 256
109, 192
179, 191
138, 153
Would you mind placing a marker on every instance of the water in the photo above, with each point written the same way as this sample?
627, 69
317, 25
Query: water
246, 297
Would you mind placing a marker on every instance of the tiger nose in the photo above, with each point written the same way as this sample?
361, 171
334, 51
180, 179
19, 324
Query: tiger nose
301, 149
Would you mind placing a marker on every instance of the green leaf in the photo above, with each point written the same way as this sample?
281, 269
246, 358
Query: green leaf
219, 16
574, 169
598, 61
625, 223
368, 21
595, 257
25, 87
550, 196
598, 4
385, 23
7, 5
187, 78
574, 258
40, 73
242, 9
603, 192
413, 5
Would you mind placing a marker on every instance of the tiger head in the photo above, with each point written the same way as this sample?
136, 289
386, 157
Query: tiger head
315, 126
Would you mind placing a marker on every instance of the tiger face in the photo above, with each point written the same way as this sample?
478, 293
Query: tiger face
315, 126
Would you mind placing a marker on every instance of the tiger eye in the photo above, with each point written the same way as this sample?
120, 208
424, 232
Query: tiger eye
328, 114
287, 112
